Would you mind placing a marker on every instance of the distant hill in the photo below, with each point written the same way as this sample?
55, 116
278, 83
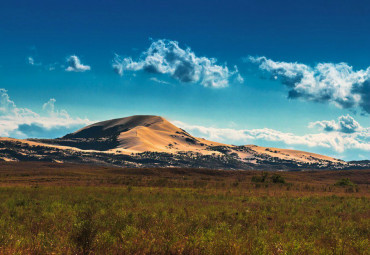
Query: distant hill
145, 140
136, 134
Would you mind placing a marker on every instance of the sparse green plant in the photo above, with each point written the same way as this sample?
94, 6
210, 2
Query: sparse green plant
261, 178
345, 182
84, 231
277, 178
129, 188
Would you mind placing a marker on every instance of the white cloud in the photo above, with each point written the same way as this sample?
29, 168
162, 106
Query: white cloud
6, 105
337, 141
31, 61
49, 106
239, 78
158, 80
325, 82
74, 65
53, 66
345, 124
166, 57
23, 122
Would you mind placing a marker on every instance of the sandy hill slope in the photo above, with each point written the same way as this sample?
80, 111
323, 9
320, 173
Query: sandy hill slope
137, 134
152, 138
288, 154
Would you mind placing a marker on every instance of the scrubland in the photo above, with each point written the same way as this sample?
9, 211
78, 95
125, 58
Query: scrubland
79, 209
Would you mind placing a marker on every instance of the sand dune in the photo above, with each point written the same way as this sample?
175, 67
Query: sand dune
143, 133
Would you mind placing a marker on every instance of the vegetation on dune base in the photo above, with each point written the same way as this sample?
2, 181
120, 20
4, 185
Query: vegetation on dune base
163, 220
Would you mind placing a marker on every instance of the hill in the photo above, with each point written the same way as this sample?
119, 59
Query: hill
147, 141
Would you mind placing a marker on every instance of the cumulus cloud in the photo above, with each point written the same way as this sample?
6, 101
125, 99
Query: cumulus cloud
23, 122
166, 57
345, 124
6, 105
75, 65
325, 125
325, 82
337, 141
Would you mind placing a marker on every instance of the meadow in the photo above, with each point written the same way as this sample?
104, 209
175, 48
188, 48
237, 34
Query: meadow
82, 209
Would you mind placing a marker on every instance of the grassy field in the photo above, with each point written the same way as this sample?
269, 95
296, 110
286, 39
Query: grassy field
79, 209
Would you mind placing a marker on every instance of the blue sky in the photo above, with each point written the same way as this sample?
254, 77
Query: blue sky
280, 48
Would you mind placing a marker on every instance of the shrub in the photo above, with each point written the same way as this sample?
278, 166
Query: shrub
345, 182
256, 178
234, 155
84, 231
276, 178
262, 178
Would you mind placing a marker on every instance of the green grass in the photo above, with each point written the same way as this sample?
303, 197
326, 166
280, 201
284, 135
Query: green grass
122, 220
180, 211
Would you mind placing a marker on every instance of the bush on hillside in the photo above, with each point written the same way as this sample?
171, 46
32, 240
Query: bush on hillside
276, 178
345, 182
262, 178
